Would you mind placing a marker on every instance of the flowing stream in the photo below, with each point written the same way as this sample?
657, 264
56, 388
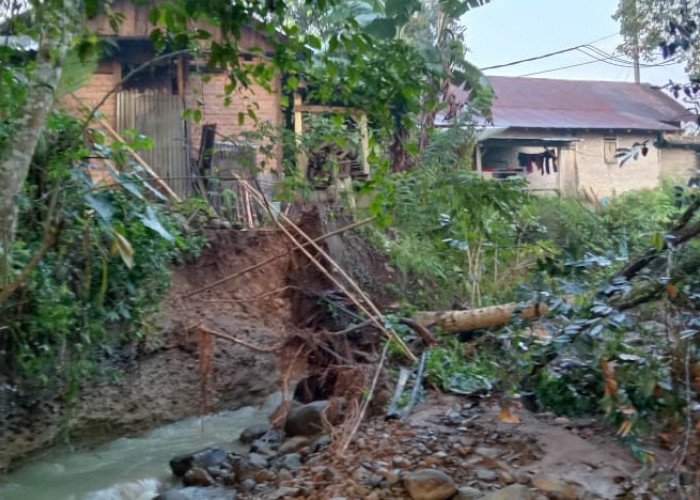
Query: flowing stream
128, 468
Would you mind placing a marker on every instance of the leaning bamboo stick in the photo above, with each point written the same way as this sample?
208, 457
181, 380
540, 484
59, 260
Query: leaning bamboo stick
376, 315
200, 327
274, 258
141, 161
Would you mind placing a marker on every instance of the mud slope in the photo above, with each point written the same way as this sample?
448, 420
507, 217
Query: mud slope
157, 380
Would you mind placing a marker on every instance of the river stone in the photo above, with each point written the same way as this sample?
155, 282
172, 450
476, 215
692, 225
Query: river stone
284, 491
248, 484
512, 492
247, 467
467, 493
321, 443
291, 461
261, 448
428, 484
306, 420
294, 444
264, 476
208, 457
253, 432
486, 475
197, 477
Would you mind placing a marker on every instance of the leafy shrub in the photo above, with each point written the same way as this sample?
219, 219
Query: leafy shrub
104, 274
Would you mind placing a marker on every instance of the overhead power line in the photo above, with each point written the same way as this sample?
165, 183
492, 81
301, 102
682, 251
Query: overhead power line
588, 49
549, 54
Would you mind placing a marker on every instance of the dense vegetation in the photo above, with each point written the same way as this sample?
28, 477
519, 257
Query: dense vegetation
83, 266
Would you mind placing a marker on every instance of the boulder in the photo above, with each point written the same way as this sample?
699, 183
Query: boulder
291, 461
197, 477
428, 484
306, 420
208, 457
246, 468
294, 444
253, 432
467, 493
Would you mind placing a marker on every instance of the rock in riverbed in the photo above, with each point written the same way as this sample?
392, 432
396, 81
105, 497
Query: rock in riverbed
429, 484
208, 457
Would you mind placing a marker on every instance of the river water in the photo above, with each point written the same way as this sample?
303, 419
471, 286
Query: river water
128, 468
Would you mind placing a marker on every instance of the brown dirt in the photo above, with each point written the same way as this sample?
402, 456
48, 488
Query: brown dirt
158, 379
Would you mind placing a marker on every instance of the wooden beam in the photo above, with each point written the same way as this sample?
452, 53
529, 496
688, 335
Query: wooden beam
301, 159
319, 108
180, 66
479, 159
364, 143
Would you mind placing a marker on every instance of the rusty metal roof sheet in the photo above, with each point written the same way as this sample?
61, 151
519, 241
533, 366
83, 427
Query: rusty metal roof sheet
581, 104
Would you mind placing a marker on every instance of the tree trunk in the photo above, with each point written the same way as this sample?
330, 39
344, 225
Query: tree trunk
14, 165
476, 319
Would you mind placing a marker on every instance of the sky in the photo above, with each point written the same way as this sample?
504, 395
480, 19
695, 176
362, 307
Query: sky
504, 31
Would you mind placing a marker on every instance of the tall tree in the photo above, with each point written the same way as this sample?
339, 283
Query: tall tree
665, 28
53, 27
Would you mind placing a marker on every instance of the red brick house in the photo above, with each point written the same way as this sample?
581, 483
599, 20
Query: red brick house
153, 101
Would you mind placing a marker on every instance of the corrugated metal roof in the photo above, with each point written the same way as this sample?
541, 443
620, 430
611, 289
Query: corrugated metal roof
581, 104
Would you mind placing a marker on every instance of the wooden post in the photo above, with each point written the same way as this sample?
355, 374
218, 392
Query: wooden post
180, 68
301, 159
478, 158
364, 142
560, 171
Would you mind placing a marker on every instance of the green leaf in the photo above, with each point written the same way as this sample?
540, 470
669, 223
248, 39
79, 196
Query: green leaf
382, 28
121, 244
657, 241
91, 8
315, 42
132, 188
402, 10
150, 220
100, 204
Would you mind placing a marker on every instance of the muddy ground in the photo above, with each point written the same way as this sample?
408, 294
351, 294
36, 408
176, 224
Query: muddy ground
157, 381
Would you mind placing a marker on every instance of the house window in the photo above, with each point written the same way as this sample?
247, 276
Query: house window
609, 150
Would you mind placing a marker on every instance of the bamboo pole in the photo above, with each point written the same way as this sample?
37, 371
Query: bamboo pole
476, 319
274, 258
173, 195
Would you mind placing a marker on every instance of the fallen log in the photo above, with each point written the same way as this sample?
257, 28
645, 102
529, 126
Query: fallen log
476, 319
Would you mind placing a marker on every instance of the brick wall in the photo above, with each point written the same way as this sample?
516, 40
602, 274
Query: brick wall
677, 163
582, 165
211, 95
107, 76
607, 179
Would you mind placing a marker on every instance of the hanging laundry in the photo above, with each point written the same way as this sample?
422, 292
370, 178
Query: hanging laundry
544, 162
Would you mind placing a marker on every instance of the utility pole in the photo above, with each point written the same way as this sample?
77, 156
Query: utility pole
635, 54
